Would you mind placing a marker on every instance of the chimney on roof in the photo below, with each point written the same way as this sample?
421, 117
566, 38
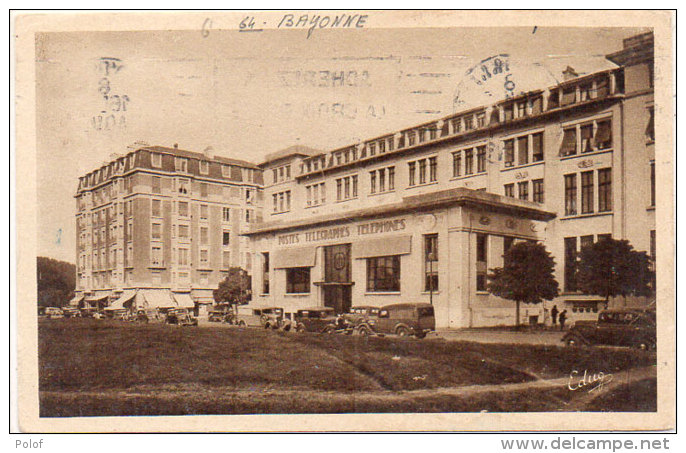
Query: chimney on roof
209, 152
176, 146
569, 74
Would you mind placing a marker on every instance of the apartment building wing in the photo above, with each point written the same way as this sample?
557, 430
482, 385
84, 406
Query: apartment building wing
582, 151
163, 224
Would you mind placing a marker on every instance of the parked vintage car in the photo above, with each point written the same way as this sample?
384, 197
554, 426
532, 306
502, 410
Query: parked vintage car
619, 327
272, 318
53, 312
361, 314
317, 319
401, 319
181, 317
221, 313
71, 312
251, 316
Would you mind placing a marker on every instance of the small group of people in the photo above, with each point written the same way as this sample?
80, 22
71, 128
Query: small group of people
562, 317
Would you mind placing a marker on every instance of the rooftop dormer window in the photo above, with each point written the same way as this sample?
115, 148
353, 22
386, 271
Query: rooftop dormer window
157, 160
181, 164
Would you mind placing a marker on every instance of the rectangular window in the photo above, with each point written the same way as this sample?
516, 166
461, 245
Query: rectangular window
570, 264
570, 194
456, 124
457, 164
226, 214
204, 257
605, 190
204, 211
382, 180
481, 159
585, 241
298, 280
204, 236
431, 262
603, 135
181, 164
156, 208
587, 192
412, 173
411, 138
372, 181
226, 171
422, 171
339, 189
203, 189
183, 208
537, 147
265, 273
184, 231
183, 257
383, 274
509, 190
568, 147
391, 178
481, 261
182, 185
468, 161
433, 169
157, 160
226, 259
508, 146
538, 190
523, 150
204, 167
354, 179
523, 189
652, 184
586, 138
156, 231
382, 146
156, 184
650, 129
226, 238
372, 149
156, 255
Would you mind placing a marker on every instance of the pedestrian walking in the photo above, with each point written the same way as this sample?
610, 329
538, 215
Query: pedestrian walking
563, 318
553, 314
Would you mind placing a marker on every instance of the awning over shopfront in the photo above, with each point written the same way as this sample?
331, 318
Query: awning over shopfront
75, 301
97, 299
388, 246
184, 300
123, 301
297, 257
157, 298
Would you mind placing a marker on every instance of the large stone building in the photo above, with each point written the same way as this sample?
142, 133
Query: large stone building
415, 215
160, 226
421, 214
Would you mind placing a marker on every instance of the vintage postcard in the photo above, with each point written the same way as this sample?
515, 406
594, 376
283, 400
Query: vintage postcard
344, 221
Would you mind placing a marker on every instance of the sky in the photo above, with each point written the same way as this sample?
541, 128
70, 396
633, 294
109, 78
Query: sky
249, 94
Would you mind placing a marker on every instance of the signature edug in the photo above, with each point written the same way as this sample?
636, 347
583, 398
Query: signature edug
589, 381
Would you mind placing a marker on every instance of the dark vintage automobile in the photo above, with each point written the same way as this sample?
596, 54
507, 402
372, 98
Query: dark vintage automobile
180, 317
221, 313
71, 312
361, 314
272, 318
625, 327
317, 319
400, 319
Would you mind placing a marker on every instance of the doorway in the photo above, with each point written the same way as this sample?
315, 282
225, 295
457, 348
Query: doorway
337, 278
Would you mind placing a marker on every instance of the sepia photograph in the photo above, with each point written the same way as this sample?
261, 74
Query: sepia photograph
379, 213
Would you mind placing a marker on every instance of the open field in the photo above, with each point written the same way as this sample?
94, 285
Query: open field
95, 367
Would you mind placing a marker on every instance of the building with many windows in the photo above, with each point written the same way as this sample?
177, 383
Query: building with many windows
161, 226
421, 214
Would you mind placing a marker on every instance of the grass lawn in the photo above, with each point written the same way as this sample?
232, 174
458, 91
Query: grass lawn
98, 367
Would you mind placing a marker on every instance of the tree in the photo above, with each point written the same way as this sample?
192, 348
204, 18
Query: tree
527, 276
56, 282
612, 267
235, 288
